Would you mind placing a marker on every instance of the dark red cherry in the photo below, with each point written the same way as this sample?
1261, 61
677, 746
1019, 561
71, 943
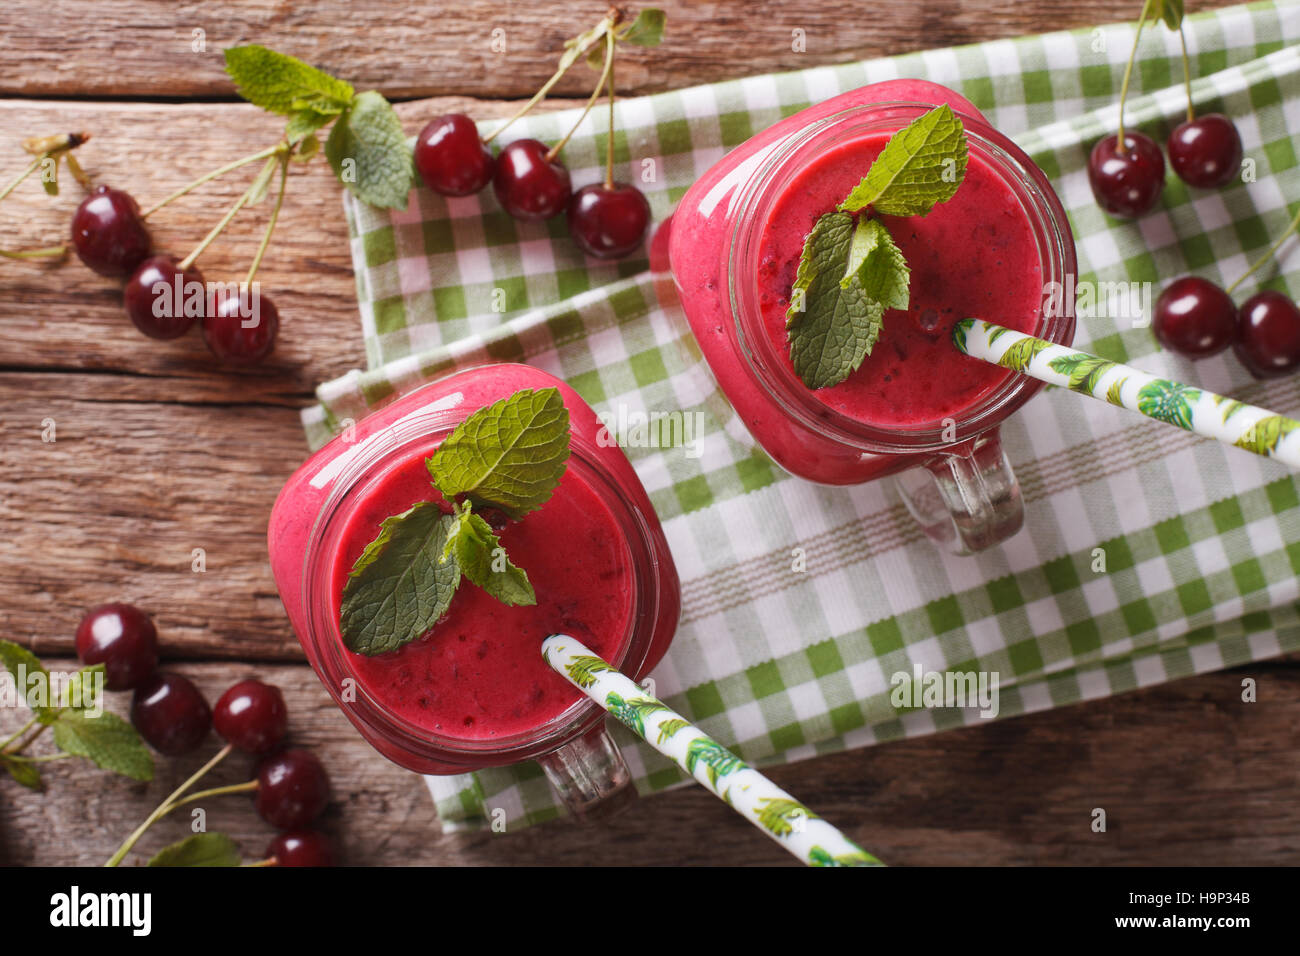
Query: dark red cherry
528, 185
1126, 182
1194, 317
451, 158
608, 223
1268, 335
301, 848
162, 301
241, 328
252, 716
123, 639
1205, 152
292, 789
170, 713
108, 234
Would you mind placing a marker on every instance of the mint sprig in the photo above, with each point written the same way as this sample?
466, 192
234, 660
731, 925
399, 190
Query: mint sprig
366, 148
508, 456
851, 270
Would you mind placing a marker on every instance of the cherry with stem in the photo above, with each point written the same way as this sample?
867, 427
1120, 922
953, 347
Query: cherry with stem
1206, 152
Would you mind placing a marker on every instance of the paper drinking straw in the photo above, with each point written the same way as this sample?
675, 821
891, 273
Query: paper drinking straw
740, 786
1185, 406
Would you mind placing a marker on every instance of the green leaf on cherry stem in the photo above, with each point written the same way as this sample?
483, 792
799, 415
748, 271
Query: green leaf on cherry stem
646, 30
24, 772
201, 849
368, 153
284, 84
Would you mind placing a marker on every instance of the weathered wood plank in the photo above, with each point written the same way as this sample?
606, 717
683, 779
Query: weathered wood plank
1188, 776
125, 48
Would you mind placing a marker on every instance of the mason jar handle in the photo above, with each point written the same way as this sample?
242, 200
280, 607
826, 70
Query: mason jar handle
589, 775
967, 498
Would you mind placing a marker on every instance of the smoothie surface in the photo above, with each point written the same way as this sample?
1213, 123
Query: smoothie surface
479, 674
974, 255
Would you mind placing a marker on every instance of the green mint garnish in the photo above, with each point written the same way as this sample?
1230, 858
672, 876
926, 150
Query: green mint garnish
851, 270
107, 740
400, 585
366, 148
201, 849
921, 165
509, 456
839, 323
483, 560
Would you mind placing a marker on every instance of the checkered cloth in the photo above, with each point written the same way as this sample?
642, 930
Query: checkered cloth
1201, 542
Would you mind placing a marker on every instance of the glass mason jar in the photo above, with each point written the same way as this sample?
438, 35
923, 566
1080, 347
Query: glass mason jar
953, 474
312, 515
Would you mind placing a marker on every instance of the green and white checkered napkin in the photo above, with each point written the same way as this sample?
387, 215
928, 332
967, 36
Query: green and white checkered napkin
1201, 542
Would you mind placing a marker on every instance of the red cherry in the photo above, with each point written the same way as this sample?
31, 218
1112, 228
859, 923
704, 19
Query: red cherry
301, 848
1205, 152
252, 716
1194, 317
1268, 335
527, 184
123, 639
608, 223
292, 789
108, 233
164, 314
241, 328
1126, 183
451, 158
170, 713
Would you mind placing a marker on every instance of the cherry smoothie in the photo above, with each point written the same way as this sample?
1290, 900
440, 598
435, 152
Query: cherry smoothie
973, 255
474, 691
478, 674
732, 250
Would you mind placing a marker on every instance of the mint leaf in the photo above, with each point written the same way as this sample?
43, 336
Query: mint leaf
368, 153
282, 83
509, 455
838, 324
878, 264
922, 164
647, 29
202, 849
84, 688
14, 656
483, 560
303, 123
107, 740
399, 587
28, 774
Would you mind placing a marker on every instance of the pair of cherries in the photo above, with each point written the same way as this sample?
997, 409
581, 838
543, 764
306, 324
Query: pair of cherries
607, 221
1205, 153
172, 715
109, 236
1196, 318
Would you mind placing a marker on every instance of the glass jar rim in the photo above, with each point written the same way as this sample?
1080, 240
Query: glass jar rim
397, 443
755, 198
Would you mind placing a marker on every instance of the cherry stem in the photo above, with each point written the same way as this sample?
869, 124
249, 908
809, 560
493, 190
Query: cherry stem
1128, 73
35, 165
610, 20
229, 167
48, 252
245, 787
1268, 255
609, 148
240, 203
269, 861
270, 226
45, 759
28, 742
16, 734
1187, 73
165, 807
591, 101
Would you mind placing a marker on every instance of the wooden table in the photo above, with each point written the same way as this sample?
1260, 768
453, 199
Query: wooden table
158, 453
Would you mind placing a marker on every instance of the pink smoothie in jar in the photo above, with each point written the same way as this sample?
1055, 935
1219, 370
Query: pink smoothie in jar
733, 246
474, 691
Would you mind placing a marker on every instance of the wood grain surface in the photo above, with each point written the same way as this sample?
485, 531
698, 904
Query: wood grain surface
159, 452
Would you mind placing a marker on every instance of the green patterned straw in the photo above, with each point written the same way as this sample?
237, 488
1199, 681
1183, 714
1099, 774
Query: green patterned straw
1194, 409
738, 785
